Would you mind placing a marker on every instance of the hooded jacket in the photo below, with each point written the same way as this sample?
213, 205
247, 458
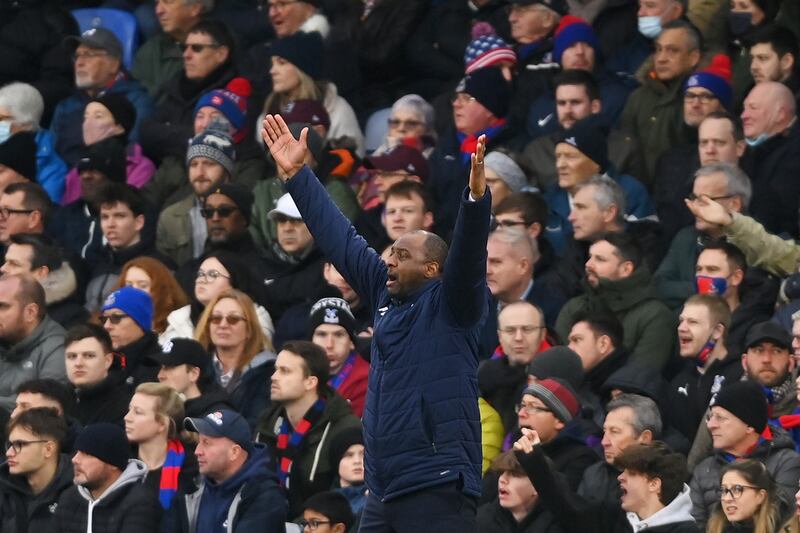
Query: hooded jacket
648, 324
22, 511
125, 507
249, 394
106, 401
179, 324
39, 355
670, 518
136, 356
495, 519
61, 294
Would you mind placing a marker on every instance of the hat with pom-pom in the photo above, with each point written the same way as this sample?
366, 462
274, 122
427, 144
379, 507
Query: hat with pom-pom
231, 102
572, 30
716, 78
487, 49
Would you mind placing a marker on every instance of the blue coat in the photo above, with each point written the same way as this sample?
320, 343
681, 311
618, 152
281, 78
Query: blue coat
51, 171
421, 420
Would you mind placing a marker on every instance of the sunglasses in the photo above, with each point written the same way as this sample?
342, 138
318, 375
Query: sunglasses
223, 211
115, 318
230, 319
196, 47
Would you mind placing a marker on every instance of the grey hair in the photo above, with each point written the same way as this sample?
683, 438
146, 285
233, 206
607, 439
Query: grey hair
208, 5
519, 241
417, 105
607, 192
736, 181
24, 103
645, 412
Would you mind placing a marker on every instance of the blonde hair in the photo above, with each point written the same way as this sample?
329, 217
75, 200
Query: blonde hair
307, 89
169, 405
165, 291
255, 341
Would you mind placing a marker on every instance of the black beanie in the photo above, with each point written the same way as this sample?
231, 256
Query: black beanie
240, 196
558, 362
746, 401
334, 311
108, 157
303, 50
341, 442
121, 109
333, 505
19, 154
489, 88
590, 139
105, 441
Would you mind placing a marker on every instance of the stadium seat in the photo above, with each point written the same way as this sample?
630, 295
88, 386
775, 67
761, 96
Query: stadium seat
122, 23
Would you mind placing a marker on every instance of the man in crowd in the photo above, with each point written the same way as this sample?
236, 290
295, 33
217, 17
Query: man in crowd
127, 315
24, 208
597, 339
774, 55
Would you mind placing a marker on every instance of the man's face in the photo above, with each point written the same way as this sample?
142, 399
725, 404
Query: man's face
672, 57
498, 187
384, 179
759, 115
12, 312
34, 400
32, 456
120, 225
586, 343
573, 167
205, 116
573, 104
94, 68
586, 216
286, 16
336, 342
223, 229
87, 362
506, 271
618, 432
124, 332
177, 16
515, 491
18, 220
179, 377
529, 22
470, 116
89, 471
198, 65
91, 182
334, 278
534, 414
767, 363
796, 339
694, 329
405, 214
604, 263
698, 103
205, 173
407, 265
579, 56
634, 491
214, 455
293, 234
727, 431
765, 65
521, 330
714, 186
657, 8
714, 263
18, 260
289, 381
717, 144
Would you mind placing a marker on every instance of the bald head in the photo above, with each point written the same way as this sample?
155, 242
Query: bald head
433, 247
768, 109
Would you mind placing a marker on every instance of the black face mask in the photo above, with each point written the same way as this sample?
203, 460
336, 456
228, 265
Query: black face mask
740, 23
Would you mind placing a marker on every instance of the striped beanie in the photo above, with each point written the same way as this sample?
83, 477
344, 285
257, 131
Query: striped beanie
486, 49
557, 395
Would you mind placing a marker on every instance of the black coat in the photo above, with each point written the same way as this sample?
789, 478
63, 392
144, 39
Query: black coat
21, 511
290, 281
137, 354
494, 519
105, 402
212, 399
501, 384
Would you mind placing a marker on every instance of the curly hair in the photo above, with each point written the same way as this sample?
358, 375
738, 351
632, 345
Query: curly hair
165, 291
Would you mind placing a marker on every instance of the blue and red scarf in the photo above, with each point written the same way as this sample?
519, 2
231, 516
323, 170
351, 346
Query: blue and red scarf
347, 368
469, 143
791, 423
290, 440
170, 472
766, 436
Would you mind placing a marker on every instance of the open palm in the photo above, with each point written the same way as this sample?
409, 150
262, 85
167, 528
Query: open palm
289, 153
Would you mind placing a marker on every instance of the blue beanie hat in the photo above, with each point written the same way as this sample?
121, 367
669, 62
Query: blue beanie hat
303, 50
716, 78
570, 31
135, 303
230, 101
105, 441
489, 88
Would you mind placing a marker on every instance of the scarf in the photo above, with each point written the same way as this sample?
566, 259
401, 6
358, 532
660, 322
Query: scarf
776, 394
290, 441
791, 423
468, 143
336, 381
766, 436
170, 472
705, 351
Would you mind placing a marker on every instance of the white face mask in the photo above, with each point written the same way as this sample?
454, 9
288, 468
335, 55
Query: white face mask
650, 26
5, 130
95, 131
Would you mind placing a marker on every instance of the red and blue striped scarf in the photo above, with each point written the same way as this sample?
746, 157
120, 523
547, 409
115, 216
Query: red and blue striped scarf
347, 368
766, 436
170, 472
290, 441
468, 143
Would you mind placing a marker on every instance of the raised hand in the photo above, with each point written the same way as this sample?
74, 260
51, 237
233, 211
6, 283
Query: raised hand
289, 153
477, 176
527, 441
709, 210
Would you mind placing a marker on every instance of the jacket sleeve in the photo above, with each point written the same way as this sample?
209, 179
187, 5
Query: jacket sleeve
762, 249
655, 337
51, 362
696, 491
266, 512
671, 286
360, 265
464, 280
786, 472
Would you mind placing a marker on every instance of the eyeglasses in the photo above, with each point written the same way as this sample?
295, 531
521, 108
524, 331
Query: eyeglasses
463, 98
703, 98
210, 275
6, 212
279, 6
530, 409
396, 123
526, 330
716, 417
312, 524
230, 319
88, 55
507, 223
692, 197
224, 211
115, 318
197, 47
734, 491
19, 444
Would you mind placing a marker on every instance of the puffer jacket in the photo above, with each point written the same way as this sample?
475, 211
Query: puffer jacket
50, 168
39, 355
21, 510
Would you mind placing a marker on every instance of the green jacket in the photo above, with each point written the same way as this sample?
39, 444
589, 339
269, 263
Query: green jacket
174, 231
157, 61
674, 279
649, 325
762, 249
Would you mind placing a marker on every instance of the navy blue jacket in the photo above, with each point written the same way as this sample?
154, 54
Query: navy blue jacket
421, 421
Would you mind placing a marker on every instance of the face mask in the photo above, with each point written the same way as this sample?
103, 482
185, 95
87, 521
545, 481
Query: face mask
705, 351
740, 23
94, 131
650, 27
710, 285
5, 130
758, 141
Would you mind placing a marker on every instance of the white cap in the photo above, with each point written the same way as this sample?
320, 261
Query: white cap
285, 207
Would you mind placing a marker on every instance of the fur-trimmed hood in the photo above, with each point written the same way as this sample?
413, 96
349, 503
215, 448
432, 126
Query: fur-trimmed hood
59, 284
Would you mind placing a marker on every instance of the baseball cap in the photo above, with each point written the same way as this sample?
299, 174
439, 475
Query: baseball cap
99, 38
401, 157
222, 423
286, 207
768, 331
176, 352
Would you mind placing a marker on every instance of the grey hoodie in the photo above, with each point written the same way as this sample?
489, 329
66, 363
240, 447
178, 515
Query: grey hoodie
678, 510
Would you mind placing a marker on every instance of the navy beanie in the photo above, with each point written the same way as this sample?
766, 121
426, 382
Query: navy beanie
303, 50
105, 441
489, 88
590, 139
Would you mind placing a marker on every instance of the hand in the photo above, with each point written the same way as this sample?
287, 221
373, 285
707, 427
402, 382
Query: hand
529, 439
289, 153
710, 211
477, 176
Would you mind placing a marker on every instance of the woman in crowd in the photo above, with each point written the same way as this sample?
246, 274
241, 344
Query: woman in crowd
152, 422
747, 501
243, 357
219, 271
151, 276
411, 122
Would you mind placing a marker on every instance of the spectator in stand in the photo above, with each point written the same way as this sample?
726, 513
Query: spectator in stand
151, 276
774, 52
96, 375
347, 451
98, 71
109, 493
327, 508
21, 108
111, 116
749, 21
17, 159
158, 60
503, 176
25, 207
333, 328
49, 393
411, 123
243, 358
747, 497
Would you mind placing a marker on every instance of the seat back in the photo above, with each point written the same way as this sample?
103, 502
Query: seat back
121, 23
